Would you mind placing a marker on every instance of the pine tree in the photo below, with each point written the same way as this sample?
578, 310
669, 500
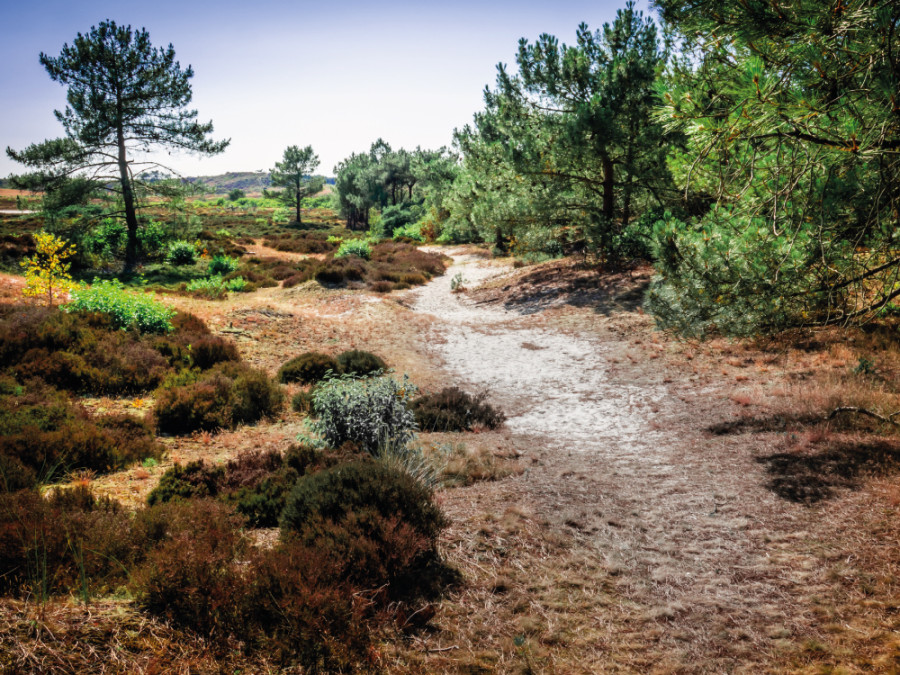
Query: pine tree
294, 175
124, 97
790, 110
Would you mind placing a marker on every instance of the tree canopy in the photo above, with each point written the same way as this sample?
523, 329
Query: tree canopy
125, 97
565, 147
792, 122
294, 175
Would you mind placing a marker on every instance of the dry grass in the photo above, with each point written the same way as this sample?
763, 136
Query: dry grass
62, 637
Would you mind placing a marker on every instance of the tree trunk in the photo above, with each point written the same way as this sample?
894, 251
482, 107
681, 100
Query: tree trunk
297, 195
609, 184
128, 198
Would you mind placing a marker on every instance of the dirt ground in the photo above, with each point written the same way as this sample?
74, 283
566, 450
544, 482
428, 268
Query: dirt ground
662, 507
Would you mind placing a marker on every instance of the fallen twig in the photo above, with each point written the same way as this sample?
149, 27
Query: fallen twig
864, 411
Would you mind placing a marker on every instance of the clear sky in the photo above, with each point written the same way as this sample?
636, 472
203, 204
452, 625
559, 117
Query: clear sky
273, 73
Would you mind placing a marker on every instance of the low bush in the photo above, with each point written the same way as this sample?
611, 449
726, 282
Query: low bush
43, 437
371, 413
256, 483
340, 270
452, 409
80, 351
358, 247
222, 265
208, 350
227, 395
127, 309
308, 368
182, 253
69, 540
301, 402
379, 522
194, 480
360, 363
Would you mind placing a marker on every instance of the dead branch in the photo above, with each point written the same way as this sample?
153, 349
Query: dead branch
864, 411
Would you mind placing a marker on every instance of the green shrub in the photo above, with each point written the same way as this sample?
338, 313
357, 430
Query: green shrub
221, 265
151, 236
227, 395
215, 287
360, 363
358, 247
301, 402
43, 437
371, 413
380, 522
194, 480
208, 350
308, 368
182, 253
454, 410
127, 309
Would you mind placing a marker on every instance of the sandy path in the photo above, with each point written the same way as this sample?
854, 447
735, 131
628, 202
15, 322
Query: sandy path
621, 466
550, 382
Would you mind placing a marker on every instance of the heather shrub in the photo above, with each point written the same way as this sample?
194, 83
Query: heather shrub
301, 402
360, 363
81, 352
227, 395
52, 545
300, 611
452, 409
201, 406
190, 577
263, 502
207, 351
43, 437
126, 308
380, 522
254, 396
371, 413
194, 480
308, 368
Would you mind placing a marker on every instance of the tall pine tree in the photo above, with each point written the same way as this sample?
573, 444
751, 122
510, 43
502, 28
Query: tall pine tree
124, 97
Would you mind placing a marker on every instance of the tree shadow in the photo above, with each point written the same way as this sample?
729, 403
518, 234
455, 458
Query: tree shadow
808, 478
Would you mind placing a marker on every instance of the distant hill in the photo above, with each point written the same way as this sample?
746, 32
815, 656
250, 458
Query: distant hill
248, 181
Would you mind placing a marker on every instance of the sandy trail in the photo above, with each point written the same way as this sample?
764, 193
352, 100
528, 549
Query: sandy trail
553, 385
624, 468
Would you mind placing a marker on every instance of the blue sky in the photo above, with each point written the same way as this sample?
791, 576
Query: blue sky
275, 73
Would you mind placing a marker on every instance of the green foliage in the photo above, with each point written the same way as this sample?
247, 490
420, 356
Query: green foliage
308, 368
236, 194
359, 363
215, 287
374, 414
791, 138
222, 265
357, 247
294, 175
182, 253
127, 309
